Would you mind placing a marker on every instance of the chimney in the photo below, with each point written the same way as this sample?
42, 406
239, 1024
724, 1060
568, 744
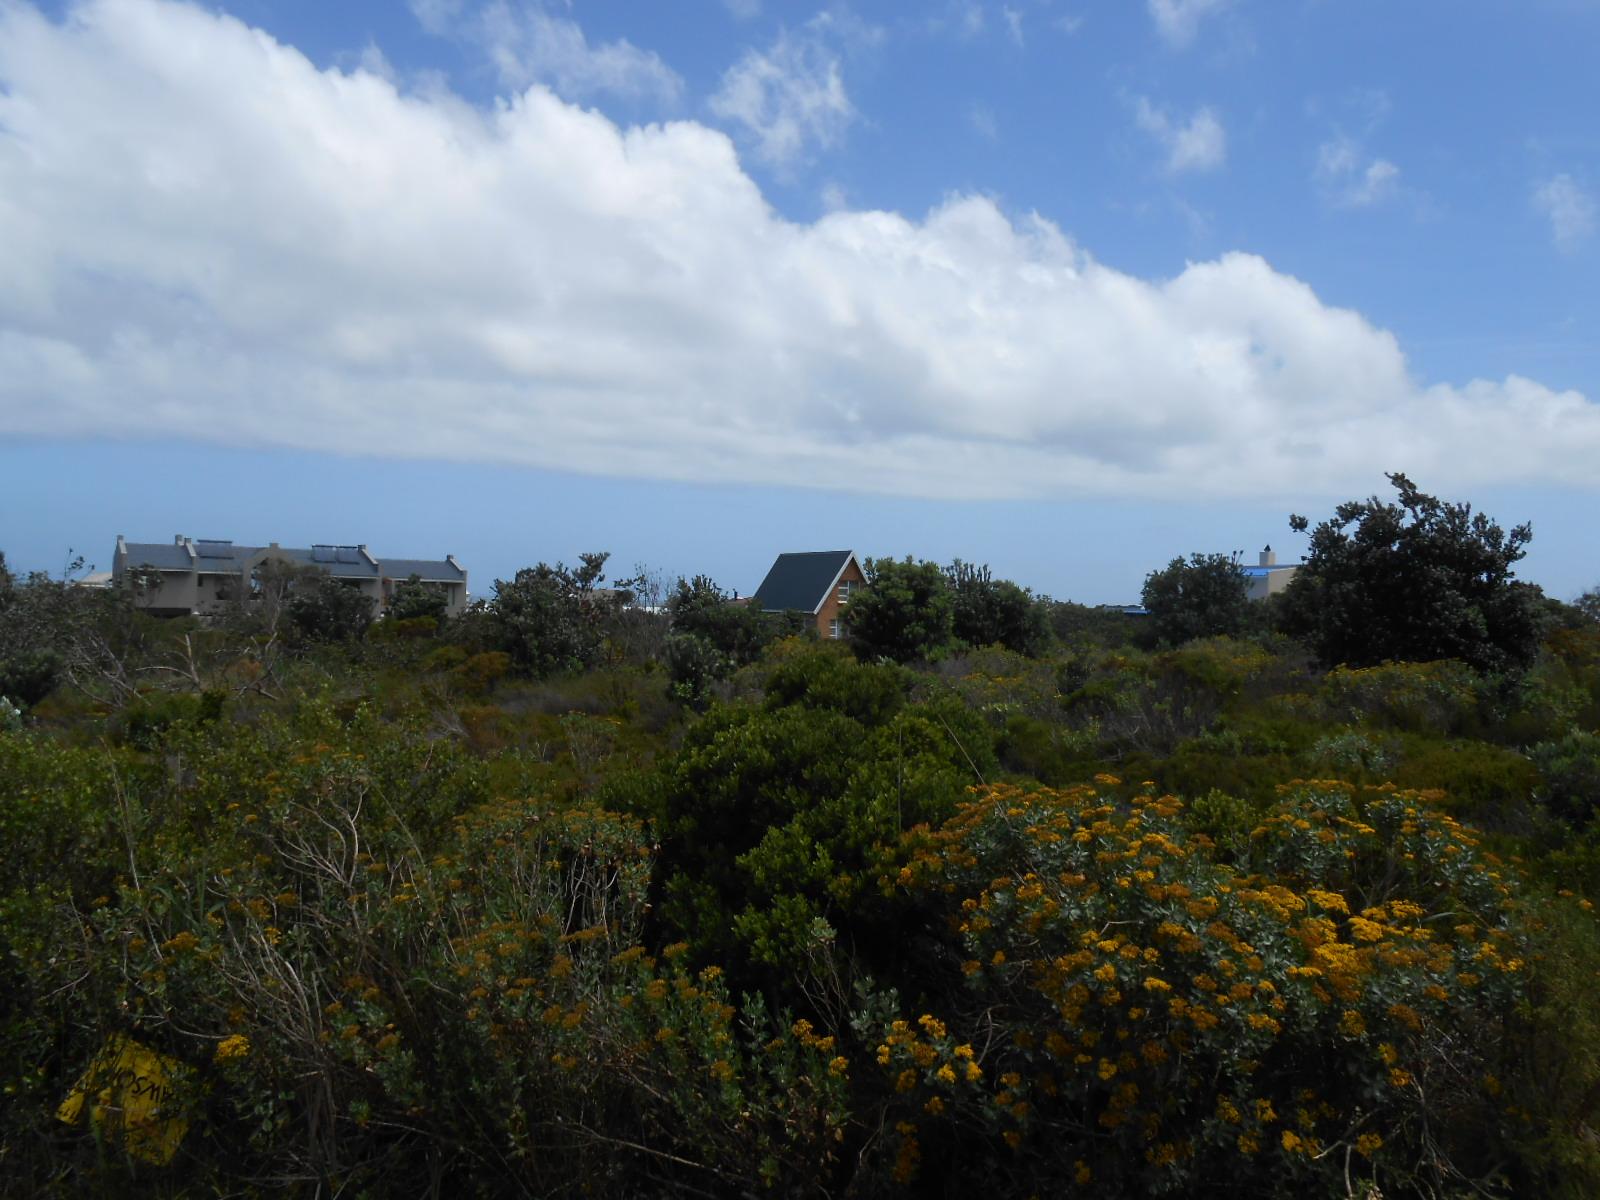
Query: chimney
1268, 557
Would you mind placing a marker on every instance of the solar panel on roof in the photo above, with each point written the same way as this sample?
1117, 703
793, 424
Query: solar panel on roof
213, 548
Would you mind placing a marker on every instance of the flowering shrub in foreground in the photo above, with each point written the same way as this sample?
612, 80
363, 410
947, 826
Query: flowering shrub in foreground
1141, 1018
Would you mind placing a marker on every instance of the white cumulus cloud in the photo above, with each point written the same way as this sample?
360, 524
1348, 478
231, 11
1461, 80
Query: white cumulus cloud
1569, 209
1198, 144
208, 237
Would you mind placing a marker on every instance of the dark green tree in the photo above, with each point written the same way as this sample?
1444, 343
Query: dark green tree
553, 619
1414, 581
1589, 604
323, 609
711, 637
904, 613
45, 627
699, 608
1082, 626
694, 666
1201, 596
415, 600
986, 611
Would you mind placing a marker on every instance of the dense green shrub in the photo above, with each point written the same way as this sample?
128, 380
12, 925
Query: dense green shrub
385, 980
1353, 754
1489, 785
1571, 770
1438, 698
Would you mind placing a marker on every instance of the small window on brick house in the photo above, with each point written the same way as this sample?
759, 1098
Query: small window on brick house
833, 628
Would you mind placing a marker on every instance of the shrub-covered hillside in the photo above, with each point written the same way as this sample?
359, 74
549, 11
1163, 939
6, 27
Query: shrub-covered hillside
569, 896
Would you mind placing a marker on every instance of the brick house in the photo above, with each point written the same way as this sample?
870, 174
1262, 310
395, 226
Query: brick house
817, 582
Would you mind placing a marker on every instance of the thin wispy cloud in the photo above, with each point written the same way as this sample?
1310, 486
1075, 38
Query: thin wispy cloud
964, 18
983, 122
1350, 178
1569, 209
527, 44
1013, 19
1197, 144
221, 240
789, 100
1178, 21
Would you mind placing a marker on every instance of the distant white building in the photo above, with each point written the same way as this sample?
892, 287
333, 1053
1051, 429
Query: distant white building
1268, 578
200, 576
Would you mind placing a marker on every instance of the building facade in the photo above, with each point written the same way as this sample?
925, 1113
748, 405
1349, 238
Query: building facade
1268, 578
200, 576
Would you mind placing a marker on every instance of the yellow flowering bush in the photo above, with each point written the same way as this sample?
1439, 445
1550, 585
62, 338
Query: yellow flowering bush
1166, 1017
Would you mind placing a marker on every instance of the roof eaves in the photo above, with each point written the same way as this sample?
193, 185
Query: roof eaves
849, 557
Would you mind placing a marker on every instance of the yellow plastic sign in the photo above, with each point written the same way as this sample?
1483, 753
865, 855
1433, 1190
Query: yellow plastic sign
132, 1094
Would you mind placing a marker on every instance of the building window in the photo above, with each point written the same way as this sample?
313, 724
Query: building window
833, 629
845, 588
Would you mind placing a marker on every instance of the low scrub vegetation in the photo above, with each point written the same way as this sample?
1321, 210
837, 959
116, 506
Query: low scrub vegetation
567, 896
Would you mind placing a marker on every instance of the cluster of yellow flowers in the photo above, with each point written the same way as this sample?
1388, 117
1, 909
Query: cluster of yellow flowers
1127, 955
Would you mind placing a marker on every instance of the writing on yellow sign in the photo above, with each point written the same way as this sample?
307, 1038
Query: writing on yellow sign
132, 1096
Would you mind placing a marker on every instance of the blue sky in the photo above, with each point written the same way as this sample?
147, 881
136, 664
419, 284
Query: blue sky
1069, 287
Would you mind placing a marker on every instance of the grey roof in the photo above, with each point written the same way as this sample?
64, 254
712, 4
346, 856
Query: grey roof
800, 582
358, 569
163, 556
404, 568
227, 557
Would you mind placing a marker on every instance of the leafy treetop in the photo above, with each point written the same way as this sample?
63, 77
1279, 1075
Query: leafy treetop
1415, 581
1204, 596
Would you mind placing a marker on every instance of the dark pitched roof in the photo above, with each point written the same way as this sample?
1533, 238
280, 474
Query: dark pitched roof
800, 582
